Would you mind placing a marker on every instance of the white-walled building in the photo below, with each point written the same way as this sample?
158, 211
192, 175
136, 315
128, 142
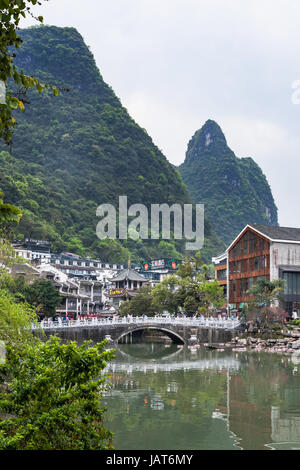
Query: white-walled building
79, 296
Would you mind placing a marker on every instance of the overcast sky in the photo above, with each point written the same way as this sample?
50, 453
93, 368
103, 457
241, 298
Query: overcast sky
176, 63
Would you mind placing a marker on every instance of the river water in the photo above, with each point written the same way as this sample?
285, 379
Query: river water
163, 397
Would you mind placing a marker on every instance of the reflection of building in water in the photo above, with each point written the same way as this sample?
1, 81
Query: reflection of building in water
253, 418
157, 403
285, 426
248, 418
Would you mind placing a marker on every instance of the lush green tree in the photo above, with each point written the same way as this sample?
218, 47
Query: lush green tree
186, 291
139, 305
200, 296
112, 250
9, 214
50, 397
16, 319
185, 269
165, 295
265, 292
43, 295
264, 307
75, 246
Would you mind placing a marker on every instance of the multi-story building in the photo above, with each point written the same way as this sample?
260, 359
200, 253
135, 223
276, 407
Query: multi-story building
76, 266
261, 251
79, 296
157, 270
33, 249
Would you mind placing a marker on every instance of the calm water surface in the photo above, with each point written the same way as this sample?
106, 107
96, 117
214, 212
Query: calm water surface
166, 398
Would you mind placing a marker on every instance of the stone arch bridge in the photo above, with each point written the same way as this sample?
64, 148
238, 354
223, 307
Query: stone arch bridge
181, 330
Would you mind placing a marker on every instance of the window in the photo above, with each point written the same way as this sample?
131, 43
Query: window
246, 245
261, 244
292, 284
234, 288
222, 275
244, 286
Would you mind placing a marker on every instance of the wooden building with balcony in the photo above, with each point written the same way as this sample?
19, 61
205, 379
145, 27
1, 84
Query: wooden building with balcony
261, 251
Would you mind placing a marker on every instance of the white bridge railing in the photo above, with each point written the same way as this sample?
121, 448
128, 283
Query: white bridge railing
210, 322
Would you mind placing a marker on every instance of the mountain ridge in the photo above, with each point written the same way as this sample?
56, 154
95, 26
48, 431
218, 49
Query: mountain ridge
234, 190
76, 151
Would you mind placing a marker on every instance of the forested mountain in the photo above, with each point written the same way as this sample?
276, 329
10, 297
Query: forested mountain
73, 152
234, 190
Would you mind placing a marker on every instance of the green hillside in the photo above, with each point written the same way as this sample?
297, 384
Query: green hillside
235, 191
73, 152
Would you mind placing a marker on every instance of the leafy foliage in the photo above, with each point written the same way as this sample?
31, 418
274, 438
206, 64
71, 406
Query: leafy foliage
15, 320
43, 296
51, 396
189, 290
264, 307
139, 305
9, 215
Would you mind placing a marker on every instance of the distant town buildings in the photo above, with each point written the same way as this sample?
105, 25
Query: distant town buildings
33, 249
158, 269
88, 286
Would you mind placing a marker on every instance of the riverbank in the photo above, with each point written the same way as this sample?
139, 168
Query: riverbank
286, 343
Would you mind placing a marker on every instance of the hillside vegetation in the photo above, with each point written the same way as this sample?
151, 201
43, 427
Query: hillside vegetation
234, 190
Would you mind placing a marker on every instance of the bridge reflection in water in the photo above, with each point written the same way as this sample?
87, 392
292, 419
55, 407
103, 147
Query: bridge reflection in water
203, 399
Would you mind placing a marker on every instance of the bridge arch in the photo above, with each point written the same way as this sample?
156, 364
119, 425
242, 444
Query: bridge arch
175, 337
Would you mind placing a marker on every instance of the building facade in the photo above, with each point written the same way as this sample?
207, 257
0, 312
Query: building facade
79, 296
261, 252
31, 249
157, 270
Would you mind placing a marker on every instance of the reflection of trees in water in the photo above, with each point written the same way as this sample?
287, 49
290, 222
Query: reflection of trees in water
190, 394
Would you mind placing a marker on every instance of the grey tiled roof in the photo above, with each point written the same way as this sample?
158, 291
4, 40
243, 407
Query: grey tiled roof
278, 233
130, 274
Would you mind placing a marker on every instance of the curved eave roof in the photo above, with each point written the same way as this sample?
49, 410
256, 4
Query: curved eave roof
130, 274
